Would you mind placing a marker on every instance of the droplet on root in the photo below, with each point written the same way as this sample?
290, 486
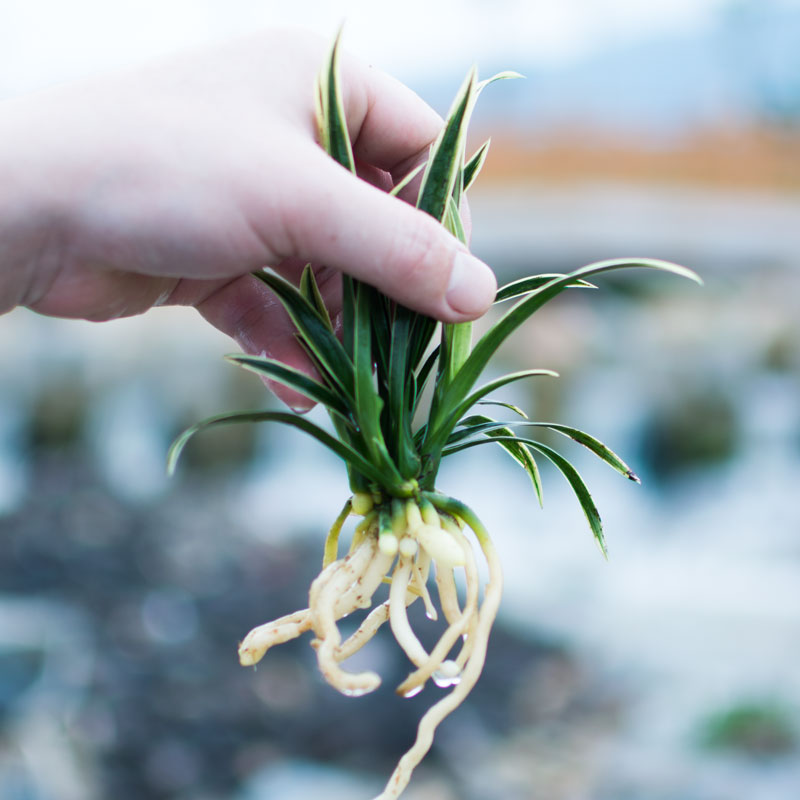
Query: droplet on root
448, 674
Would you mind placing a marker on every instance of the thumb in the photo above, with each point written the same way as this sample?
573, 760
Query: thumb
341, 221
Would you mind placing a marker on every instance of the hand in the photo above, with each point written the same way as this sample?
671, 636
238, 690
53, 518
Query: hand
170, 184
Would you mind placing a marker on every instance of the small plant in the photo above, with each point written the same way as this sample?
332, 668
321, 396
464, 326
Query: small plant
393, 441
757, 729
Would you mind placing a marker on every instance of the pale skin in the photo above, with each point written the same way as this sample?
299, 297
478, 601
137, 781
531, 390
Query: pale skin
170, 184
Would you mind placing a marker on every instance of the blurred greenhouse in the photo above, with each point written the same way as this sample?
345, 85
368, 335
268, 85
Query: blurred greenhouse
668, 673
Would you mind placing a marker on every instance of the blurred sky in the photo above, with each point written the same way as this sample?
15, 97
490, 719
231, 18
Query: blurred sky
42, 41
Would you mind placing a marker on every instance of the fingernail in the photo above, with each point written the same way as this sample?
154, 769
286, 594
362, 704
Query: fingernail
472, 285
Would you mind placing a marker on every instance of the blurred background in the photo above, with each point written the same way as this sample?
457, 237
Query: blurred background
669, 130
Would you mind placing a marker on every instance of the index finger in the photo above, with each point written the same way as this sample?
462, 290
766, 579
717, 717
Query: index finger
391, 127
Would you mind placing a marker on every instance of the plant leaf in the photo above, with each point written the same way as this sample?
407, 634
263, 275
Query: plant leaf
527, 285
505, 75
344, 451
517, 450
603, 452
289, 376
510, 406
437, 437
326, 348
476, 425
567, 470
401, 379
475, 164
446, 156
309, 288
487, 345
367, 402
331, 120
400, 185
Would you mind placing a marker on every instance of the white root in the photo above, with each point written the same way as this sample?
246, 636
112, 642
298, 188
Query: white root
323, 615
260, 639
419, 582
435, 714
359, 595
471, 574
437, 658
441, 546
380, 614
368, 628
398, 618
322, 579
448, 594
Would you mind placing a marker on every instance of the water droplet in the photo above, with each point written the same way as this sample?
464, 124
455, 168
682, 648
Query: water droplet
354, 692
413, 692
448, 674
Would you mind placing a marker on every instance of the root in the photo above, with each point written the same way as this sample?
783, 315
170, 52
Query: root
419, 536
398, 617
471, 673
448, 595
332, 540
359, 595
419, 583
449, 671
368, 628
281, 630
324, 616
471, 571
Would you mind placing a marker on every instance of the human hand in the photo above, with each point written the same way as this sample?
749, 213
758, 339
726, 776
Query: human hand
170, 184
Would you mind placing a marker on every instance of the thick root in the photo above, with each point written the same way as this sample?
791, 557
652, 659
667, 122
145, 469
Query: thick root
324, 617
281, 630
398, 618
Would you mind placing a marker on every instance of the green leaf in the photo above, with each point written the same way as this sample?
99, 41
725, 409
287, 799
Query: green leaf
473, 167
437, 437
325, 347
331, 120
567, 470
581, 492
367, 402
399, 404
517, 450
510, 406
309, 288
527, 285
288, 376
398, 187
475, 425
505, 75
424, 374
421, 337
487, 345
345, 452
348, 313
603, 452
446, 155
453, 223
